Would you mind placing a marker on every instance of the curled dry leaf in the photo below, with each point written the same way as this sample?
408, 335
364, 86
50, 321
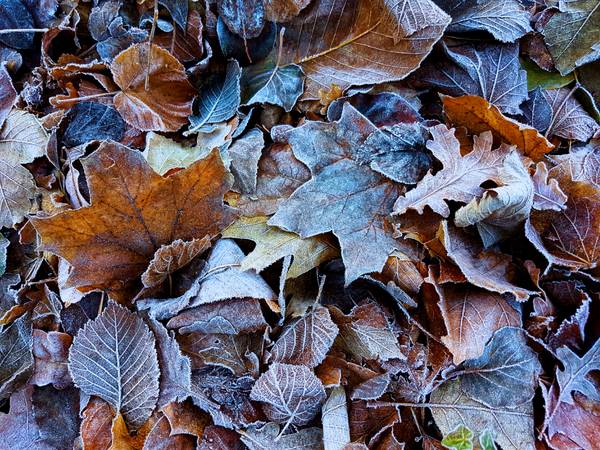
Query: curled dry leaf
147, 209
167, 102
113, 357
547, 192
290, 394
172, 257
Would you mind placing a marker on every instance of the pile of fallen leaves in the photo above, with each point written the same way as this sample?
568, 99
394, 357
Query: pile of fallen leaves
299, 224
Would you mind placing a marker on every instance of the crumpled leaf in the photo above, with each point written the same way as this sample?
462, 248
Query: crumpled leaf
505, 375
500, 211
547, 192
471, 315
51, 351
219, 98
336, 429
269, 82
307, 340
338, 42
273, 244
513, 427
343, 196
489, 71
479, 116
93, 121
366, 333
569, 119
166, 104
130, 200
172, 257
460, 177
113, 357
487, 269
572, 34
16, 355
290, 394
506, 20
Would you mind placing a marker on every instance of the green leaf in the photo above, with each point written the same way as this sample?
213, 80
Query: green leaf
537, 77
460, 439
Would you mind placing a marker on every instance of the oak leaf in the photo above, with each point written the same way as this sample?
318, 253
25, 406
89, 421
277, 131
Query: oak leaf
134, 212
478, 116
167, 103
460, 176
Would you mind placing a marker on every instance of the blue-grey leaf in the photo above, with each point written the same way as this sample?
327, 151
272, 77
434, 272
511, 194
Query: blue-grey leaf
246, 51
16, 355
56, 415
219, 98
246, 18
178, 10
383, 109
490, 71
537, 110
267, 82
90, 121
15, 15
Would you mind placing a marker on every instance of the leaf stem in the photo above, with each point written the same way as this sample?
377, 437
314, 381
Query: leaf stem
150, 39
24, 30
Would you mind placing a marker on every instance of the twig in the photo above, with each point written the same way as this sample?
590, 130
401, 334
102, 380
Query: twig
85, 97
24, 30
151, 38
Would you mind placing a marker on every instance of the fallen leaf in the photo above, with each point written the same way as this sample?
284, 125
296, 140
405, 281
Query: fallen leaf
569, 119
245, 18
506, 20
290, 394
537, 111
343, 196
547, 192
263, 438
16, 355
160, 436
478, 116
18, 427
90, 121
273, 244
159, 209
571, 34
305, 341
471, 315
574, 376
164, 154
56, 415
513, 427
167, 103
96, 424
8, 95
113, 357
336, 428
50, 352
460, 177
337, 42
283, 10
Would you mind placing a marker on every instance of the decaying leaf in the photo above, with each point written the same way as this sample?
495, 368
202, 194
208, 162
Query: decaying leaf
147, 209
16, 355
113, 357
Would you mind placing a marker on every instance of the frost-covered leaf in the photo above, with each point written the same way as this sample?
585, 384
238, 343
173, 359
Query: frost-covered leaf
471, 315
513, 427
16, 355
336, 429
572, 34
366, 333
501, 210
90, 121
245, 18
273, 244
268, 82
164, 154
8, 95
267, 438
17, 427
338, 42
569, 119
307, 340
219, 98
537, 111
506, 20
56, 415
547, 193
575, 375
344, 196
290, 394
113, 357
492, 72
243, 156
460, 177
505, 375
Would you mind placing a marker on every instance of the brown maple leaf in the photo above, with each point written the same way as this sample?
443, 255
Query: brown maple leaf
133, 212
